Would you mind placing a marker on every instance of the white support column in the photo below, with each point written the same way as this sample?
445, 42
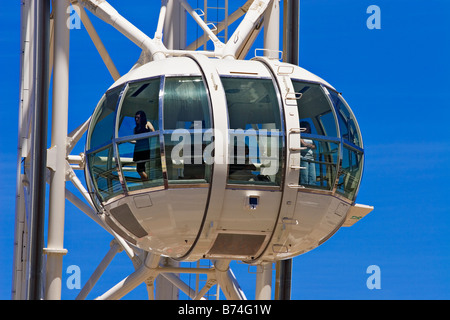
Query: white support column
57, 153
18, 290
263, 289
272, 30
175, 26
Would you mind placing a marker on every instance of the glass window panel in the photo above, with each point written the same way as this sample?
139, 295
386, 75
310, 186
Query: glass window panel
319, 163
350, 173
141, 163
314, 107
327, 123
184, 157
185, 101
103, 120
319, 159
141, 99
252, 103
255, 133
347, 123
255, 157
186, 119
102, 166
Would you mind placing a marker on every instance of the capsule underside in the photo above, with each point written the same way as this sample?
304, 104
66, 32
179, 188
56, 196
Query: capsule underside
253, 160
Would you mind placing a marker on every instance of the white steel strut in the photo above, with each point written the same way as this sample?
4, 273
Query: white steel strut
60, 163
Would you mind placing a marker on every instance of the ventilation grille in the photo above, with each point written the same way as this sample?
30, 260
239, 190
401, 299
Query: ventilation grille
237, 244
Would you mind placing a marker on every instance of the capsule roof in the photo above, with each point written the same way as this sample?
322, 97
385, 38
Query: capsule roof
187, 66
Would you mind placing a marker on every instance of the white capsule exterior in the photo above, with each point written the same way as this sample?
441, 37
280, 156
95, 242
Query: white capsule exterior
227, 160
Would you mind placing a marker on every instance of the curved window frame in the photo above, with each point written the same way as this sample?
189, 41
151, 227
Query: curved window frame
324, 138
326, 94
118, 140
160, 133
352, 115
351, 147
281, 139
174, 183
343, 144
92, 124
91, 184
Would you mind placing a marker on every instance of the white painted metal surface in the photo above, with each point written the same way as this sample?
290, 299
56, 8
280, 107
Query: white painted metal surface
215, 219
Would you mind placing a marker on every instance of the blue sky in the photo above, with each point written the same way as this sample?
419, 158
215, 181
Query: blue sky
396, 81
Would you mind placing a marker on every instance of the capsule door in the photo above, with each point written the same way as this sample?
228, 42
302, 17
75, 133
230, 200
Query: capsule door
286, 220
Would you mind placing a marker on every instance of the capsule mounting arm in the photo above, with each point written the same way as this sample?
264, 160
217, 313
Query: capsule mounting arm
104, 11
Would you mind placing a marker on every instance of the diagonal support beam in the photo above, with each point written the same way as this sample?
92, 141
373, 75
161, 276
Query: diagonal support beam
98, 44
218, 45
221, 26
115, 248
103, 10
146, 272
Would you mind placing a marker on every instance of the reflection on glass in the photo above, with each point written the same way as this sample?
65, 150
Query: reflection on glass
255, 133
350, 173
103, 120
141, 98
185, 102
186, 119
308, 166
319, 157
319, 166
184, 158
314, 108
102, 166
252, 103
255, 157
347, 123
148, 161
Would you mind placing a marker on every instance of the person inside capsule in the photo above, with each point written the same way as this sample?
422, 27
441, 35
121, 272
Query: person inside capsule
308, 174
141, 153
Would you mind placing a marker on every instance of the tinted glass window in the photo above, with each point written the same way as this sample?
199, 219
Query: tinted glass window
104, 173
314, 107
255, 133
185, 101
350, 174
319, 139
140, 161
103, 119
140, 98
347, 123
187, 118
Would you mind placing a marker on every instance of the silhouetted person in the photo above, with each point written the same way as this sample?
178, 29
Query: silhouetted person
142, 148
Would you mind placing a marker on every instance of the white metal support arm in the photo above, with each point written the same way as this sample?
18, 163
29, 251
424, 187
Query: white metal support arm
251, 18
108, 14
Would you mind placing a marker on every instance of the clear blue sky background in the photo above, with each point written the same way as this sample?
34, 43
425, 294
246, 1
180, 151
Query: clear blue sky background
396, 81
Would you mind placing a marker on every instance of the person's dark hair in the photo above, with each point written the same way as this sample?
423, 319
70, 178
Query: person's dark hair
143, 118
306, 125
